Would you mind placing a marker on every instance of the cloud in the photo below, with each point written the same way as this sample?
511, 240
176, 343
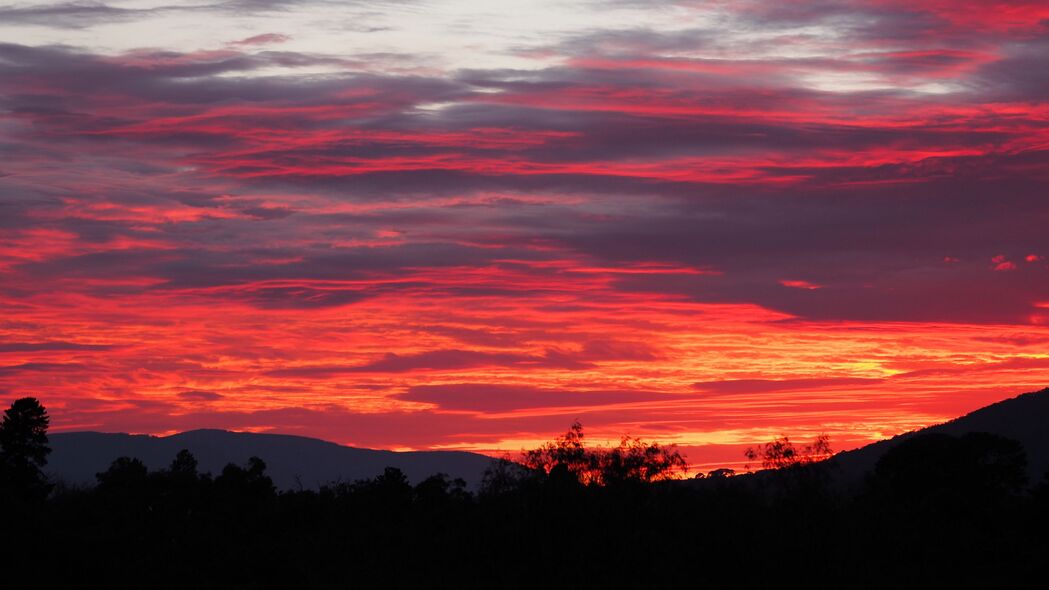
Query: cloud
81, 14
759, 386
752, 174
439, 360
263, 39
51, 346
71, 15
581, 223
39, 368
494, 398
205, 396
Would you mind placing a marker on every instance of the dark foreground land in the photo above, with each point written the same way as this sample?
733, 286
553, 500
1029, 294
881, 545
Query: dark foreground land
916, 521
937, 509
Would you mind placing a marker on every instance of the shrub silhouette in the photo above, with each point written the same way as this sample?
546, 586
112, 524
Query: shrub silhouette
717, 474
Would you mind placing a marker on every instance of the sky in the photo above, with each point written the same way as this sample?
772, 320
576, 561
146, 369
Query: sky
463, 224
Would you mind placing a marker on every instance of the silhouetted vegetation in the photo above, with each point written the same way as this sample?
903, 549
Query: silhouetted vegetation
937, 509
782, 454
24, 451
633, 461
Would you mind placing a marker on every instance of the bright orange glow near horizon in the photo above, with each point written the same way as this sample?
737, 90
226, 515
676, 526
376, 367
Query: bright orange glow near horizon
704, 225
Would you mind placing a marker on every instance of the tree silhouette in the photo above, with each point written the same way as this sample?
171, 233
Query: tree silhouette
124, 475
24, 448
632, 461
782, 454
504, 475
635, 460
248, 483
565, 453
438, 488
184, 465
390, 490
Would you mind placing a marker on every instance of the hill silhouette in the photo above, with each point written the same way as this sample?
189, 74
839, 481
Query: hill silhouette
295, 461
1024, 418
291, 460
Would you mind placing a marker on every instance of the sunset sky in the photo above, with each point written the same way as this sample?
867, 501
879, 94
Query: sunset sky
463, 224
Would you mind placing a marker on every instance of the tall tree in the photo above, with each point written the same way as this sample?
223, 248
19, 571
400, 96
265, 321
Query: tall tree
24, 447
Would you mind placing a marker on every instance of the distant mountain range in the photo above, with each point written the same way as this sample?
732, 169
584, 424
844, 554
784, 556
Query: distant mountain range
290, 460
1024, 418
294, 461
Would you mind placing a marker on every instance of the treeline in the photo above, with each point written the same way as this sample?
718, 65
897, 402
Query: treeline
936, 510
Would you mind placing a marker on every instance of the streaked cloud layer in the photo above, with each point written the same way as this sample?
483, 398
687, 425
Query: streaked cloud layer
437, 225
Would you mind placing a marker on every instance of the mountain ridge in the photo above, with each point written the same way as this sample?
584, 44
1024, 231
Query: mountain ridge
292, 461
1024, 418
296, 461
